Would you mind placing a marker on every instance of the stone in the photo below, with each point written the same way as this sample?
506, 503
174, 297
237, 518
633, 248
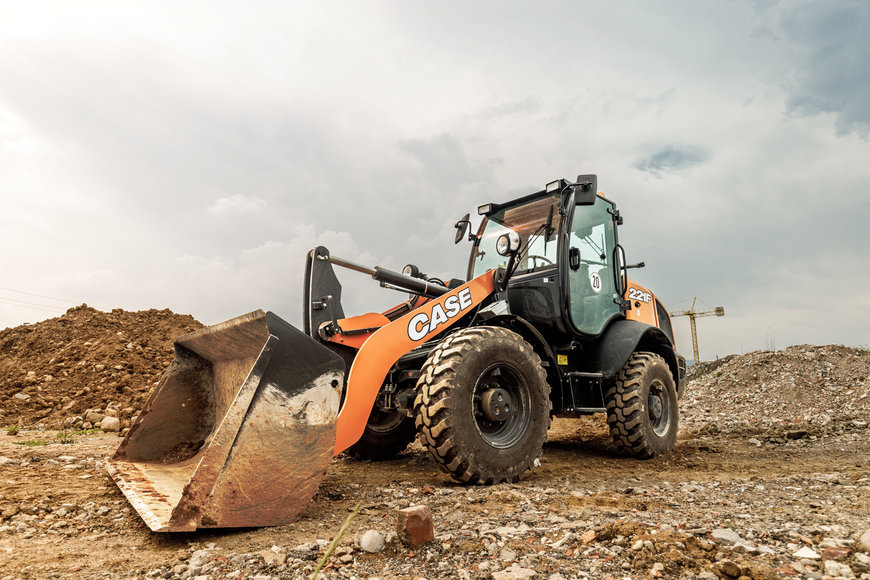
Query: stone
507, 555
372, 541
414, 525
272, 558
515, 572
588, 536
838, 569
864, 542
21, 397
199, 558
796, 434
726, 536
758, 570
729, 568
110, 424
807, 553
93, 417
835, 553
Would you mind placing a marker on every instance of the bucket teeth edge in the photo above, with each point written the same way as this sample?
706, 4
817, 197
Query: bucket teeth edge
149, 517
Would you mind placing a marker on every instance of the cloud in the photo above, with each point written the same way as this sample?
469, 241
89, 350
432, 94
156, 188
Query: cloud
672, 158
826, 48
525, 106
237, 203
725, 131
443, 161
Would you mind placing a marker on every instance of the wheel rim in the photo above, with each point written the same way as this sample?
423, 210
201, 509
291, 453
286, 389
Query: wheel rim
501, 391
658, 408
384, 421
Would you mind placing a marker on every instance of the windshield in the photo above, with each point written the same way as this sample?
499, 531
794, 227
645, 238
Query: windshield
537, 224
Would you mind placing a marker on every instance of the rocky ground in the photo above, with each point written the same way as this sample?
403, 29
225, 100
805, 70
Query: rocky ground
769, 479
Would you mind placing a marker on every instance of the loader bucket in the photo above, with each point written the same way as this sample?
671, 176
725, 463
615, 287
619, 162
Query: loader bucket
238, 432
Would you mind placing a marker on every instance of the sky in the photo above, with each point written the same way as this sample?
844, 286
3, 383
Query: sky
188, 155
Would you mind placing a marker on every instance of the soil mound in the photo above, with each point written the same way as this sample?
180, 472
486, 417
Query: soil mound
85, 359
809, 385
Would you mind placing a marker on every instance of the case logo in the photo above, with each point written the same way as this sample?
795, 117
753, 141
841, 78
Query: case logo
422, 323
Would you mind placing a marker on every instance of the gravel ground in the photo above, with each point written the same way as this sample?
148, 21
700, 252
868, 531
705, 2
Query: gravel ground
769, 480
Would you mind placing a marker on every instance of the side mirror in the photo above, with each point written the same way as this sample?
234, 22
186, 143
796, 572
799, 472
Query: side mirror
462, 228
586, 189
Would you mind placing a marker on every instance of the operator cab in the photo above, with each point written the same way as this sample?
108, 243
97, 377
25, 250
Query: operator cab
564, 279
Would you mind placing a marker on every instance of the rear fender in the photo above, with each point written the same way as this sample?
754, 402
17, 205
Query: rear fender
624, 337
385, 346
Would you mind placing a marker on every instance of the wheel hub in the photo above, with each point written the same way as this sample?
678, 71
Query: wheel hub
496, 405
656, 408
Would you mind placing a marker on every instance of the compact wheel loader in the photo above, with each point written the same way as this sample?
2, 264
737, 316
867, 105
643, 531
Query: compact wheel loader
243, 425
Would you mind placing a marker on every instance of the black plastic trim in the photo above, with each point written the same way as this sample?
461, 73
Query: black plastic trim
623, 337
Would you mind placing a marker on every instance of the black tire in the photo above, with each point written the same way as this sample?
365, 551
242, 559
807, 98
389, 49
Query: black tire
470, 380
642, 408
387, 434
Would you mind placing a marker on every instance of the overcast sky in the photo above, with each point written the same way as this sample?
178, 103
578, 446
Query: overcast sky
187, 155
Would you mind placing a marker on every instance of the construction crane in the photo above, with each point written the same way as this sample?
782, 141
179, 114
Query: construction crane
692, 314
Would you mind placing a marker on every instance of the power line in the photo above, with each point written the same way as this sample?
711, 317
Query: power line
37, 295
32, 305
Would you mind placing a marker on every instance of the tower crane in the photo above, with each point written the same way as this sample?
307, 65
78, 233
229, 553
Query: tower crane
693, 314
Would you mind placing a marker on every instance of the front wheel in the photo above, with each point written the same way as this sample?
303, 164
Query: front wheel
642, 407
387, 434
483, 407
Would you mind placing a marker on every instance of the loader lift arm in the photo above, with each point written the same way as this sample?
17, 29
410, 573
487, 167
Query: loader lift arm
381, 339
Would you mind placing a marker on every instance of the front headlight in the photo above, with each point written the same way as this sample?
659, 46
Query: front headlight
508, 243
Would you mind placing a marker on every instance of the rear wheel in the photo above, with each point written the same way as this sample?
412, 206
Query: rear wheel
483, 407
387, 434
642, 407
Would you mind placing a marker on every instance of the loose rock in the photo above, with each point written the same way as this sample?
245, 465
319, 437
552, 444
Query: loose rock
414, 525
372, 541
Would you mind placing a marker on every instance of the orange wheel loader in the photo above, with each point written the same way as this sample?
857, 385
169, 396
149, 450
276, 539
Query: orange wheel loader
243, 425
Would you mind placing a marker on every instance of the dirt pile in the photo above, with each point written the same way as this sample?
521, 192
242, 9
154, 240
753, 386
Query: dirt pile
86, 359
800, 387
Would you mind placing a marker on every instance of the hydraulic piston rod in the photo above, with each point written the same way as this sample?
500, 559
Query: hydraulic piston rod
385, 276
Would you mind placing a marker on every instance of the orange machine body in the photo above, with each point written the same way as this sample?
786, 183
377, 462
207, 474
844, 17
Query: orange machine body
643, 304
386, 341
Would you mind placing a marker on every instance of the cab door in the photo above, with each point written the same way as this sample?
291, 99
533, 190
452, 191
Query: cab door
592, 284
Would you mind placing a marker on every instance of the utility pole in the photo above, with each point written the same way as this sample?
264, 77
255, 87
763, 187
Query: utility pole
692, 314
